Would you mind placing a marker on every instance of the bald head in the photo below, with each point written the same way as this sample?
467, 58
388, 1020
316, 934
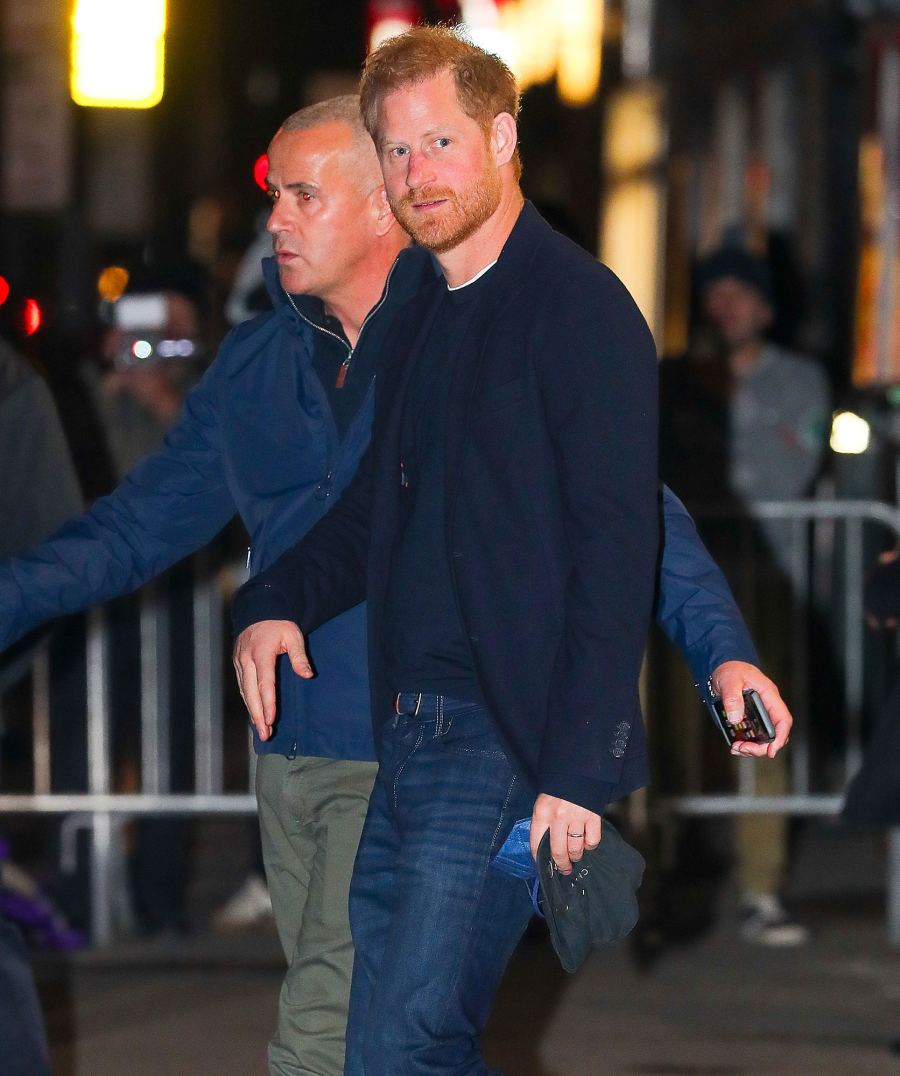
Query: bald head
333, 232
359, 150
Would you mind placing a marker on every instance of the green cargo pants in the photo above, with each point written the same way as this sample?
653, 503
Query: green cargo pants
311, 813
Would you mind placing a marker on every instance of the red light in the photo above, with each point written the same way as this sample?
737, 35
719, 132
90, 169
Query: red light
31, 317
4, 290
260, 171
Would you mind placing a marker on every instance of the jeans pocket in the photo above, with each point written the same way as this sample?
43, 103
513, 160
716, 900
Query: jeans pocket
514, 855
469, 733
405, 747
485, 746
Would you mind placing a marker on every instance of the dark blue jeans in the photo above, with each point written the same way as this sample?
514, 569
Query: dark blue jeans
433, 924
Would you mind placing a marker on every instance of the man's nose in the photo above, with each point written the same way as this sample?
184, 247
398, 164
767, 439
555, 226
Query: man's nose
275, 222
419, 171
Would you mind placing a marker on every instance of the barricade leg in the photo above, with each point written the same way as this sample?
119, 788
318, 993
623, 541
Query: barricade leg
893, 887
102, 869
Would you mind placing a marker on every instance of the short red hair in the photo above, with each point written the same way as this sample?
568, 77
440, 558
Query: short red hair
485, 86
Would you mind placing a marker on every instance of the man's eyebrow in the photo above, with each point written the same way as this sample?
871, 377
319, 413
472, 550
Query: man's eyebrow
299, 185
444, 128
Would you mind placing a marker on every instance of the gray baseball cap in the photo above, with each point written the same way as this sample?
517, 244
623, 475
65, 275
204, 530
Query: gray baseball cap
596, 904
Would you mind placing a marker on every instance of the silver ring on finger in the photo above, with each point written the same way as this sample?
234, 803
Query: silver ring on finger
576, 835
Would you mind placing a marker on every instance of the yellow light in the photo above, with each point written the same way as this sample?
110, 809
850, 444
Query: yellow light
850, 433
482, 26
629, 238
118, 50
635, 136
631, 232
533, 25
580, 42
384, 29
112, 282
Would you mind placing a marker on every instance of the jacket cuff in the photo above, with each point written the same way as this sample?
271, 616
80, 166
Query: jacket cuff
592, 795
704, 674
259, 601
739, 647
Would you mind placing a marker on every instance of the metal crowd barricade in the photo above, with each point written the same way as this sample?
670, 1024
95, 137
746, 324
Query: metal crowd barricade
832, 576
832, 545
100, 810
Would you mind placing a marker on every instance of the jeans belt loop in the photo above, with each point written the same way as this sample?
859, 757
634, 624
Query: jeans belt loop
415, 712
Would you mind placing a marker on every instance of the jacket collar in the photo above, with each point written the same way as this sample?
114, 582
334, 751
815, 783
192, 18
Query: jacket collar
528, 234
412, 269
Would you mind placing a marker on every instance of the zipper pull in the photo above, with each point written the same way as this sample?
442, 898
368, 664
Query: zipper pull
342, 373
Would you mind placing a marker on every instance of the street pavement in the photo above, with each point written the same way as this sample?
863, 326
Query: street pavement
714, 1007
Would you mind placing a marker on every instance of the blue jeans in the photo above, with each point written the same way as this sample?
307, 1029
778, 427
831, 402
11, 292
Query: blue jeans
433, 926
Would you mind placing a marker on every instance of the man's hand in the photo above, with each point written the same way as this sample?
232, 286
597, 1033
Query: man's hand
572, 829
256, 650
730, 680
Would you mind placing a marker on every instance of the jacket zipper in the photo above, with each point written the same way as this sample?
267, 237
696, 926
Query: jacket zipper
351, 351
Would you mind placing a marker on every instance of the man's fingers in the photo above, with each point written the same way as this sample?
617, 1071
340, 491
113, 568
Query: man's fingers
296, 652
572, 829
256, 653
538, 829
267, 696
593, 828
730, 686
575, 846
559, 847
252, 698
586, 835
731, 689
781, 718
746, 747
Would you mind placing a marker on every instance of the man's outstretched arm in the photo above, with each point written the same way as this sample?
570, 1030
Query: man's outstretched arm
697, 611
168, 506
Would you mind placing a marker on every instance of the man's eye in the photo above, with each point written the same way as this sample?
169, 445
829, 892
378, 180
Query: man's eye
398, 151
443, 142
272, 195
306, 196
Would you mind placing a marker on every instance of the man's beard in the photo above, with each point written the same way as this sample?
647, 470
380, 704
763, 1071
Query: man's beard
461, 216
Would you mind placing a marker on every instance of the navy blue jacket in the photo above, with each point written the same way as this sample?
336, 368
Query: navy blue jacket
255, 437
551, 515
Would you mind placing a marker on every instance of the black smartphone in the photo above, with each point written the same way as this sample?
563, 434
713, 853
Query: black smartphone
756, 727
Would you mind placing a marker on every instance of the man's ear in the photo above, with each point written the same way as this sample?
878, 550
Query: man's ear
384, 216
504, 137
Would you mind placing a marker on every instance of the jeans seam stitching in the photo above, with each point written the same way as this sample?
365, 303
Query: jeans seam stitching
464, 951
509, 793
402, 766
